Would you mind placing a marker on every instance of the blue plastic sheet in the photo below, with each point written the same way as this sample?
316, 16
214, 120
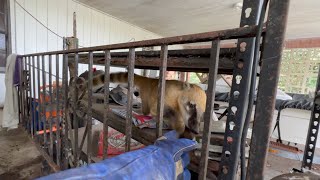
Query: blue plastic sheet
165, 160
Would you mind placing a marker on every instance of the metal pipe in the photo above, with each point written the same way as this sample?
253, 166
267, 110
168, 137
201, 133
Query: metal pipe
39, 92
106, 102
22, 92
239, 95
242, 32
208, 115
34, 93
30, 99
51, 107
313, 130
89, 113
161, 89
44, 102
66, 112
131, 59
271, 59
75, 107
58, 132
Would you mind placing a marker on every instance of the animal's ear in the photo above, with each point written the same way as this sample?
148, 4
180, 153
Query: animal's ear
185, 86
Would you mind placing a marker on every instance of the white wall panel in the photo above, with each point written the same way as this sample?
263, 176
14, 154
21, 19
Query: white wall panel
93, 28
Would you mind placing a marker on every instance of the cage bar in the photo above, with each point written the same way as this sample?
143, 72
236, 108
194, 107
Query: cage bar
89, 113
74, 109
33, 102
66, 112
242, 32
239, 96
39, 92
51, 107
313, 130
43, 102
270, 67
106, 102
58, 117
208, 115
131, 59
30, 98
161, 89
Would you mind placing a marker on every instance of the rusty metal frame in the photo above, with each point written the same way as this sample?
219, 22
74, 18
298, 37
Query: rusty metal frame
313, 130
242, 67
269, 75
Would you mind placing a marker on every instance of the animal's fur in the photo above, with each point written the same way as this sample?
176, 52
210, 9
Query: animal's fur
184, 102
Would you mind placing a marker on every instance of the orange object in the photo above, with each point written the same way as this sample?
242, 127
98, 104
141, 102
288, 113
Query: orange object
47, 131
47, 98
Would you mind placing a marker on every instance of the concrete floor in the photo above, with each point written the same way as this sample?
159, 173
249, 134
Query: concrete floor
19, 158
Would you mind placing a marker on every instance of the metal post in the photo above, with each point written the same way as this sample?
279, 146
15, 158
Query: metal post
75, 108
271, 59
51, 107
131, 59
238, 102
107, 60
313, 130
34, 94
30, 98
44, 109
39, 92
89, 113
161, 88
58, 140
22, 91
208, 115
66, 111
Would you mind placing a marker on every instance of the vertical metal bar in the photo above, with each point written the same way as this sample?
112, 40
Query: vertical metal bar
239, 96
208, 115
161, 89
131, 60
58, 132
66, 112
271, 59
89, 121
107, 60
19, 94
39, 92
34, 94
22, 90
26, 92
30, 98
51, 108
75, 108
311, 140
44, 102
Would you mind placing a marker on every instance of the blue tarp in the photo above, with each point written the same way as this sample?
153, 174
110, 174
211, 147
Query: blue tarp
165, 160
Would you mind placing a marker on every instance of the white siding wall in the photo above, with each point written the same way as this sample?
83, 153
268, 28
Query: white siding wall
93, 28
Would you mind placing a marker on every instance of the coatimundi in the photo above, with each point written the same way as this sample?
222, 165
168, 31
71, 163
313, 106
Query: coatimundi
184, 103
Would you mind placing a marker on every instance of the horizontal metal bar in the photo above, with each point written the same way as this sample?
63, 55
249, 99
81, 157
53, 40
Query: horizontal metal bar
235, 33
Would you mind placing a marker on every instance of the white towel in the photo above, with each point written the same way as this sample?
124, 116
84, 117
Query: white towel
10, 111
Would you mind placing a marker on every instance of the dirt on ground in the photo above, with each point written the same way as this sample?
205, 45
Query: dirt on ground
19, 158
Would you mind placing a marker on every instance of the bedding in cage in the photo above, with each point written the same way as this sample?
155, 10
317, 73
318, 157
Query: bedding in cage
47, 108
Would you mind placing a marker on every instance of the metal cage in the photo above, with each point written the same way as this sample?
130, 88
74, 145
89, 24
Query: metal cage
52, 131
